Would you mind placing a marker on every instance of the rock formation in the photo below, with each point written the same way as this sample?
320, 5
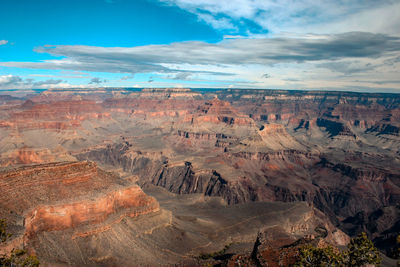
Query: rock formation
337, 151
71, 196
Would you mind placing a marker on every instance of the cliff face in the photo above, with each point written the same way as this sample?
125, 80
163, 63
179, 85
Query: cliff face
132, 201
75, 199
217, 111
57, 116
333, 111
26, 187
334, 188
153, 169
153, 103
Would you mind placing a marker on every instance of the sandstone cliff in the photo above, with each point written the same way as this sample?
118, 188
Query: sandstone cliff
72, 199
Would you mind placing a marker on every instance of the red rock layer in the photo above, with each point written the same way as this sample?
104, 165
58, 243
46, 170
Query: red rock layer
25, 188
59, 115
363, 111
58, 109
217, 111
132, 201
71, 195
269, 129
152, 107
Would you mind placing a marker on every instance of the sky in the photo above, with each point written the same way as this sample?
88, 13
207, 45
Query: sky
345, 45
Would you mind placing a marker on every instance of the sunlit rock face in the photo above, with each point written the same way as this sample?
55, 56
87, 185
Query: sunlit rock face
46, 195
70, 200
131, 201
218, 112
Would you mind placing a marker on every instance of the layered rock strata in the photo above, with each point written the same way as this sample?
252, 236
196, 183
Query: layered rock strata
73, 198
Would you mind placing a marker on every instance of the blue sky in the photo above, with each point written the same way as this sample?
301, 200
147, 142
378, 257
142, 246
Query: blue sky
326, 45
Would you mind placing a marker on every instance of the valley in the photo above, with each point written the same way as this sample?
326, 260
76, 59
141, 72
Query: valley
161, 176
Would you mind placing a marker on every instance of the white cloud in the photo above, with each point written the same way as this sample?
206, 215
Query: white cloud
317, 16
221, 23
17, 82
266, 51
293, 62
9, 79
384, 18
3, 42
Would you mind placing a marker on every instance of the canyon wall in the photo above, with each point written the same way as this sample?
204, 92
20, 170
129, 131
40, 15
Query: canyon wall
337, 151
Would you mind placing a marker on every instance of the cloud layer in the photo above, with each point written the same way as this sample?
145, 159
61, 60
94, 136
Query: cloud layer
296, 16
267, 51
333, 57
16, 82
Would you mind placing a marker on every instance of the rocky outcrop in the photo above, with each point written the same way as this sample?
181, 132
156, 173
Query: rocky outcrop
292, 155
364, 174
55, 110
177, 178
67, 196
127, 202
279, 246
206, 139
383, 128
270, 250
63, 94
270, 129
335, 111
217, 111
58, 116
26, 187
335, 128
156, 103
167, 93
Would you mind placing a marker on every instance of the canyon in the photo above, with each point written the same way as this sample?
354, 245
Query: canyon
121, 176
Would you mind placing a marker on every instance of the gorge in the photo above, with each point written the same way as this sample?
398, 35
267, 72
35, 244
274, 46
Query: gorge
185, 172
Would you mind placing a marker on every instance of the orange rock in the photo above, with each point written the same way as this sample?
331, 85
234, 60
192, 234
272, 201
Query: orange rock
47, 218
